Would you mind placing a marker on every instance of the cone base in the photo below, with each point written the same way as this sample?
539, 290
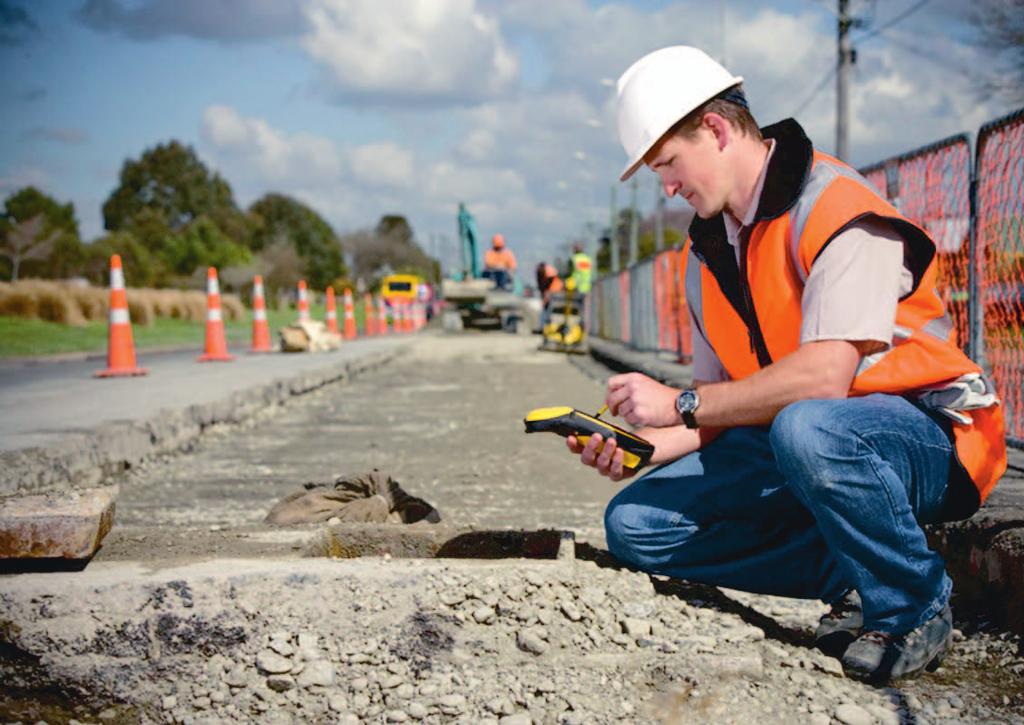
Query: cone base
211, 357
260, 350
120, 372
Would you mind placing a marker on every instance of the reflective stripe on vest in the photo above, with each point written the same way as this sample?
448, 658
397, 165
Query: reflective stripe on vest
780, 253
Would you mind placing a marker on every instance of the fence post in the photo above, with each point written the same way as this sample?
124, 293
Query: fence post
975, 310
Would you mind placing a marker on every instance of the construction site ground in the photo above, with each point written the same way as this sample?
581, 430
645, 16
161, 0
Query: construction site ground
195, 611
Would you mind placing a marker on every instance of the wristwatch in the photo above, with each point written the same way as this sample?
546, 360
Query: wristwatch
686, 405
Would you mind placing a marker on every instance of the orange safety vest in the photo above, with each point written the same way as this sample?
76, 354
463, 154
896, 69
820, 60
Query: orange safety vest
500, 259
751, 316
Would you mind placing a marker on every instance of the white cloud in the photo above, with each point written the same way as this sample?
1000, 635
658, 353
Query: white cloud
21, 176
410, 49
383, 164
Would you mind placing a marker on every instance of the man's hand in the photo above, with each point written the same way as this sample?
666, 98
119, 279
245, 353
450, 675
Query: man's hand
642, 401
608, 461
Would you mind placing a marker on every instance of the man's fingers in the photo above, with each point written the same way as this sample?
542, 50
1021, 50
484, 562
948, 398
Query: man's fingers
574, 444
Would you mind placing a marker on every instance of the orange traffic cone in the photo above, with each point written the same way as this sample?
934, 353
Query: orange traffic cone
303, 302
369, 317
260, 328
350, 316
120, 346
216, 346
382, 317
332, 312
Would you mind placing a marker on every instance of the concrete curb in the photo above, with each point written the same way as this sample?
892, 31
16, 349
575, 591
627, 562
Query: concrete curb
984, 554
84, 461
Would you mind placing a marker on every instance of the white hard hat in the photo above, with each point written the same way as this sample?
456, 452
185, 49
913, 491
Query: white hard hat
659, 90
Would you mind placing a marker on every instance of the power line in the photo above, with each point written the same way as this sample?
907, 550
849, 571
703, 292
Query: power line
817, 89
906, 13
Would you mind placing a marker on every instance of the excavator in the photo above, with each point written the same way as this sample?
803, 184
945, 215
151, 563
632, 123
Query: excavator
475, 300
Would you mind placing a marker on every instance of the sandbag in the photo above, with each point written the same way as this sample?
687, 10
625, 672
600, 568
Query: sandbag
372, 497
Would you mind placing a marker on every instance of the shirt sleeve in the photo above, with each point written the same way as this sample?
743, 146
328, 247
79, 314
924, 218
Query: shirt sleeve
707, 367
854, 286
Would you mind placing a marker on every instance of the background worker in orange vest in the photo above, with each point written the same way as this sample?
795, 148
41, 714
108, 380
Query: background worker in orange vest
831, 413
500, 263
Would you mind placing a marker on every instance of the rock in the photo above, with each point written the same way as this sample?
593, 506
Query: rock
501, 706
452, 704
405, 691
416, 710
282, 647
336, 702
280, 683
830, 665
850, 714
884, 715
529, 641
359, 684
484, 615
452, 597
571, 612
635, 627
273, 663
391, 681
519, 718
397, 716
57, 524
169, 702
236, 677
750, 665
319, 673
348, 718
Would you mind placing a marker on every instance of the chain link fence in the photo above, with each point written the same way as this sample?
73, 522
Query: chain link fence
977, 223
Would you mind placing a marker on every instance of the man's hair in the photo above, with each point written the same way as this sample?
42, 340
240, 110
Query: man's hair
730, 104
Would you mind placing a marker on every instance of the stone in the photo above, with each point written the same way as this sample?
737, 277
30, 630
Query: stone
529, 641
391, 681
484, 615
273, 663
236, 677
635, 627
349, 718
416, 710
519, 718
397, 716
281, 647
57, 524
454, 703
405, 691
318, 673
280, 683
336, 702
850, 714
571, 612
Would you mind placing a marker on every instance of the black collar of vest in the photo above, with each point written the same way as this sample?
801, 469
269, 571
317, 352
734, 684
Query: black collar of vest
787, 173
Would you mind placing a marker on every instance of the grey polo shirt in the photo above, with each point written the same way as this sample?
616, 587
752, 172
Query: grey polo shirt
850, 294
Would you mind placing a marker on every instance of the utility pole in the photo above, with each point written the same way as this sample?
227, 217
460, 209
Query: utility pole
634, 225
659, 215
847, 57
613, 233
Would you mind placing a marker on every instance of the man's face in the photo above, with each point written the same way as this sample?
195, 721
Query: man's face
692, 167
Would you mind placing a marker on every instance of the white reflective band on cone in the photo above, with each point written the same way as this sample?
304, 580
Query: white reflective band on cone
257, 290
116, 278
213, 315
332, 315
212, 286
259, 314
119, 316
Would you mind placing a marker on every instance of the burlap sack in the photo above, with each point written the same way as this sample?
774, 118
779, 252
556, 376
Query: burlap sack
368, 497
308, 336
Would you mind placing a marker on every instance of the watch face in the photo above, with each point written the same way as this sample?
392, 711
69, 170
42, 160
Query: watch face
687, 401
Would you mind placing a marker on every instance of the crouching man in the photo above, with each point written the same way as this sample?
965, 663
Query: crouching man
832, 413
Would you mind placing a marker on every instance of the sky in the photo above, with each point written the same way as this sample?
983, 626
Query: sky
361, 108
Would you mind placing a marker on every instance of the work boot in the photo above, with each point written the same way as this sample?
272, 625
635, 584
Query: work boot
840, 626
880, 656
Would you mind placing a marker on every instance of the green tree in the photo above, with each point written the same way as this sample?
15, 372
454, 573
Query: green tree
169, 178
63, 254
141, 268
279, 218
202, 244
390, 247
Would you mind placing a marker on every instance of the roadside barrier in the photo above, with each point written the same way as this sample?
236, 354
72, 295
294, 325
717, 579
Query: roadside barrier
303, 301
332, 312
369, 316
216, 345
999, 262
971, 205
260, 327
120, 345
350, 316
382, 317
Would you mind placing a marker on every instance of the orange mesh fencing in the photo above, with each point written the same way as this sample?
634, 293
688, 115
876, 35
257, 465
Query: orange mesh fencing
1000, 244
934, 190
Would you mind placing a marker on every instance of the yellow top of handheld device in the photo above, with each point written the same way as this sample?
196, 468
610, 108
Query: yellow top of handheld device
566, 421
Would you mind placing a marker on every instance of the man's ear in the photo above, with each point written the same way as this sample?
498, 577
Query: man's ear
719, 128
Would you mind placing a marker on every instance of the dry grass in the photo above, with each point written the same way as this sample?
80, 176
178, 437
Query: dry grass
75, 304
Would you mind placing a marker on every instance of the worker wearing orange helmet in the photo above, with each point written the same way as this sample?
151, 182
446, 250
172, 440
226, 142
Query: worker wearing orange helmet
499, 256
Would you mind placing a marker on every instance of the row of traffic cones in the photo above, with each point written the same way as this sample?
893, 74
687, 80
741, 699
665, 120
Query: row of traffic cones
121, 359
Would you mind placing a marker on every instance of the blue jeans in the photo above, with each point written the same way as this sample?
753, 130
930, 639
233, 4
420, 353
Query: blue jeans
830, 497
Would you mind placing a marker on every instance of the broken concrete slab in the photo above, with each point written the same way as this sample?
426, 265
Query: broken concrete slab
56, 525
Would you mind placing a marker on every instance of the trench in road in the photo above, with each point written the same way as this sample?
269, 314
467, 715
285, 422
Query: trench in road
445, 421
